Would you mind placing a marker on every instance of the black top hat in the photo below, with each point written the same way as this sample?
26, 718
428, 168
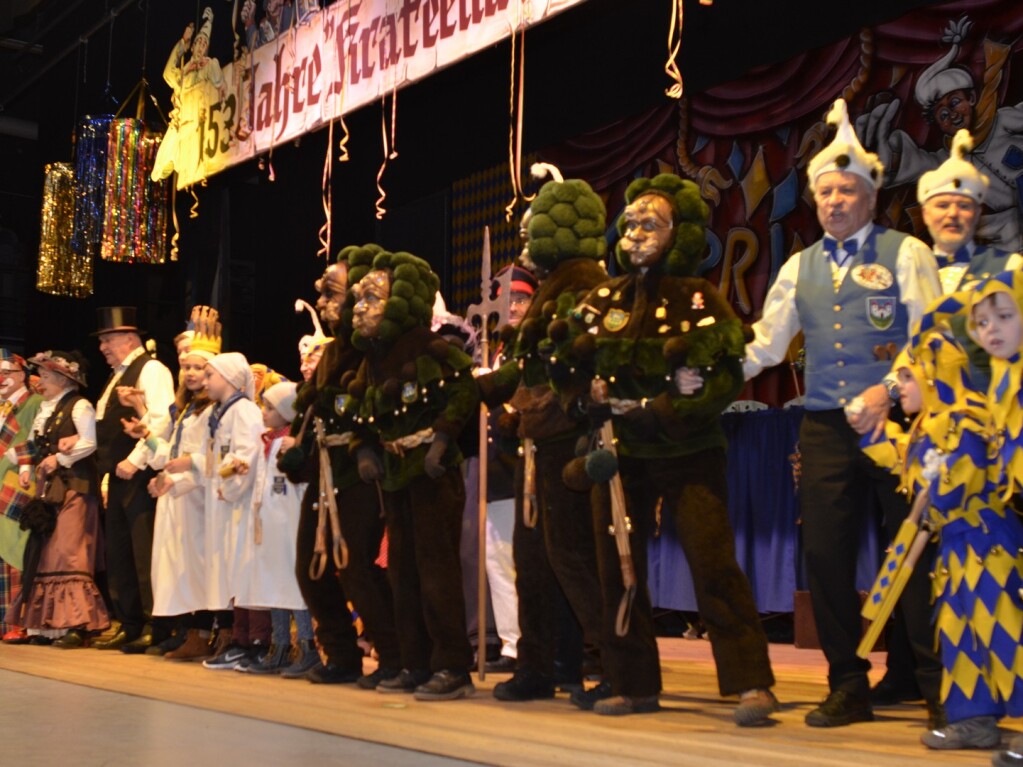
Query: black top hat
116, 319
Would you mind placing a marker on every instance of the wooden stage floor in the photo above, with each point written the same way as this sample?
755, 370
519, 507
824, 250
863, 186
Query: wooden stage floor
695, 727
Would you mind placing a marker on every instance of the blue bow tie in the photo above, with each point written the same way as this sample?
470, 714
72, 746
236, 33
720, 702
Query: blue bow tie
831, 247
961, 256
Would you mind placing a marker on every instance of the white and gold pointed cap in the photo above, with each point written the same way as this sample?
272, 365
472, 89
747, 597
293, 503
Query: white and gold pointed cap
845, 153
956, 175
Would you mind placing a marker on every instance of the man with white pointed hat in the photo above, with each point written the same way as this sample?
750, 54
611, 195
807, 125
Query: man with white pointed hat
855, 295
952, 196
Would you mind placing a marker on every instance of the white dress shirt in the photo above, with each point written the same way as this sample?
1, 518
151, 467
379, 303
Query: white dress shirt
158, 384
916, 272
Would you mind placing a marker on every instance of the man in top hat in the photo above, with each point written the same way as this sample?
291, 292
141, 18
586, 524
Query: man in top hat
855, 295
18, 408
130, 510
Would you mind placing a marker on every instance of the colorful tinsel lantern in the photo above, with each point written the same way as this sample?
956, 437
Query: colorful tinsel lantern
134, 207
91, 140
62, 272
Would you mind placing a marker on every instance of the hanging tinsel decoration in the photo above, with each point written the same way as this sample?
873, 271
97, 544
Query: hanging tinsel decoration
134, 206
91, 140
62, 272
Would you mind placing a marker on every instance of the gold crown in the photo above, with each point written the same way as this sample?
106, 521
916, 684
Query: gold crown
205, 319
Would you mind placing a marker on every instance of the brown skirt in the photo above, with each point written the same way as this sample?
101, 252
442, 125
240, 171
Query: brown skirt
64, 594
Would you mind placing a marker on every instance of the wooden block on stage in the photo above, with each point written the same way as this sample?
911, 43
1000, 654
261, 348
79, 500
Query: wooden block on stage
806, 627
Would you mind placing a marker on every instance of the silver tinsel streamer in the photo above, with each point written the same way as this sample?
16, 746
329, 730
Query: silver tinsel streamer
62, 272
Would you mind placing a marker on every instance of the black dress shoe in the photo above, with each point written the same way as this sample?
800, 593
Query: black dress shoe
72, 640
115, 642
526, 684
840, 708
587, 699
503, 665
449, 684
886, 693
329, 673
138, 645
404, 681
39, 639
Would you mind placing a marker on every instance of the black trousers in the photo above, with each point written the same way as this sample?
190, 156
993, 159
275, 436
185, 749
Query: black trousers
365, 582
557, 555
692, 493
325, 598
129, 518
424, 526
837, 483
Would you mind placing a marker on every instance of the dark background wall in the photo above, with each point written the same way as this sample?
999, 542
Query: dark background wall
585, 68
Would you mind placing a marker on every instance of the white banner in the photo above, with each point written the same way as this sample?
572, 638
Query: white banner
327, 63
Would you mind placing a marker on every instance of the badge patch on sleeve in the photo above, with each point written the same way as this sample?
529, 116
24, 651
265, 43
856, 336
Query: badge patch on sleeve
881, 311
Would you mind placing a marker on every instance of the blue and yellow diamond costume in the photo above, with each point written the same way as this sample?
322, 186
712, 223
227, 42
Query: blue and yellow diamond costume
951, 452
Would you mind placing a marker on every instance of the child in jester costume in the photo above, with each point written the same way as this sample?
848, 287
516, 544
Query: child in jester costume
415, 392
553, 537
325, 586
630, 336
949, 452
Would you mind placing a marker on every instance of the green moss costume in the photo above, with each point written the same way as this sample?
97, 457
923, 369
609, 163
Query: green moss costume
413, 382
566, 239
362, 581
633, 332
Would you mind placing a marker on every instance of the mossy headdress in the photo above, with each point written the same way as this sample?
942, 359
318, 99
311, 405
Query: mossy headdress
567, 220
689, 214
413, 287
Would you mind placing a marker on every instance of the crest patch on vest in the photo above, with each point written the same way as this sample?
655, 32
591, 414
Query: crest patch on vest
280, 486
616, 319
409, 392
224, 450
872, 276
881, 311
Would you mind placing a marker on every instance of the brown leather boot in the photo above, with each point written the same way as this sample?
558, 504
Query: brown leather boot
196, 647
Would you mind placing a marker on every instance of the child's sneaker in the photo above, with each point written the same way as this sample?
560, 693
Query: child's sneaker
274, 662
228, 660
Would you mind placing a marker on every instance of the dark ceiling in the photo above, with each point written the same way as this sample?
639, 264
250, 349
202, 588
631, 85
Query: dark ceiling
587, 67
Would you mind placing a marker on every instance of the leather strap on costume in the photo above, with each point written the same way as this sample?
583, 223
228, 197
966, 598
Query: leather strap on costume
621, 525
328, 506
530, 512
408, 442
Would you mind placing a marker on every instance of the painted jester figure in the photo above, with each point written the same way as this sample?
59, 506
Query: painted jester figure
415, 392
617, 355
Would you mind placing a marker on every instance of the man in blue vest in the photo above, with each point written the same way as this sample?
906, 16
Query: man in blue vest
130, 511
855, 295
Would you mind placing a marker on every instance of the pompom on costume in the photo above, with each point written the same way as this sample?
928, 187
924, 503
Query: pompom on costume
950, 452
